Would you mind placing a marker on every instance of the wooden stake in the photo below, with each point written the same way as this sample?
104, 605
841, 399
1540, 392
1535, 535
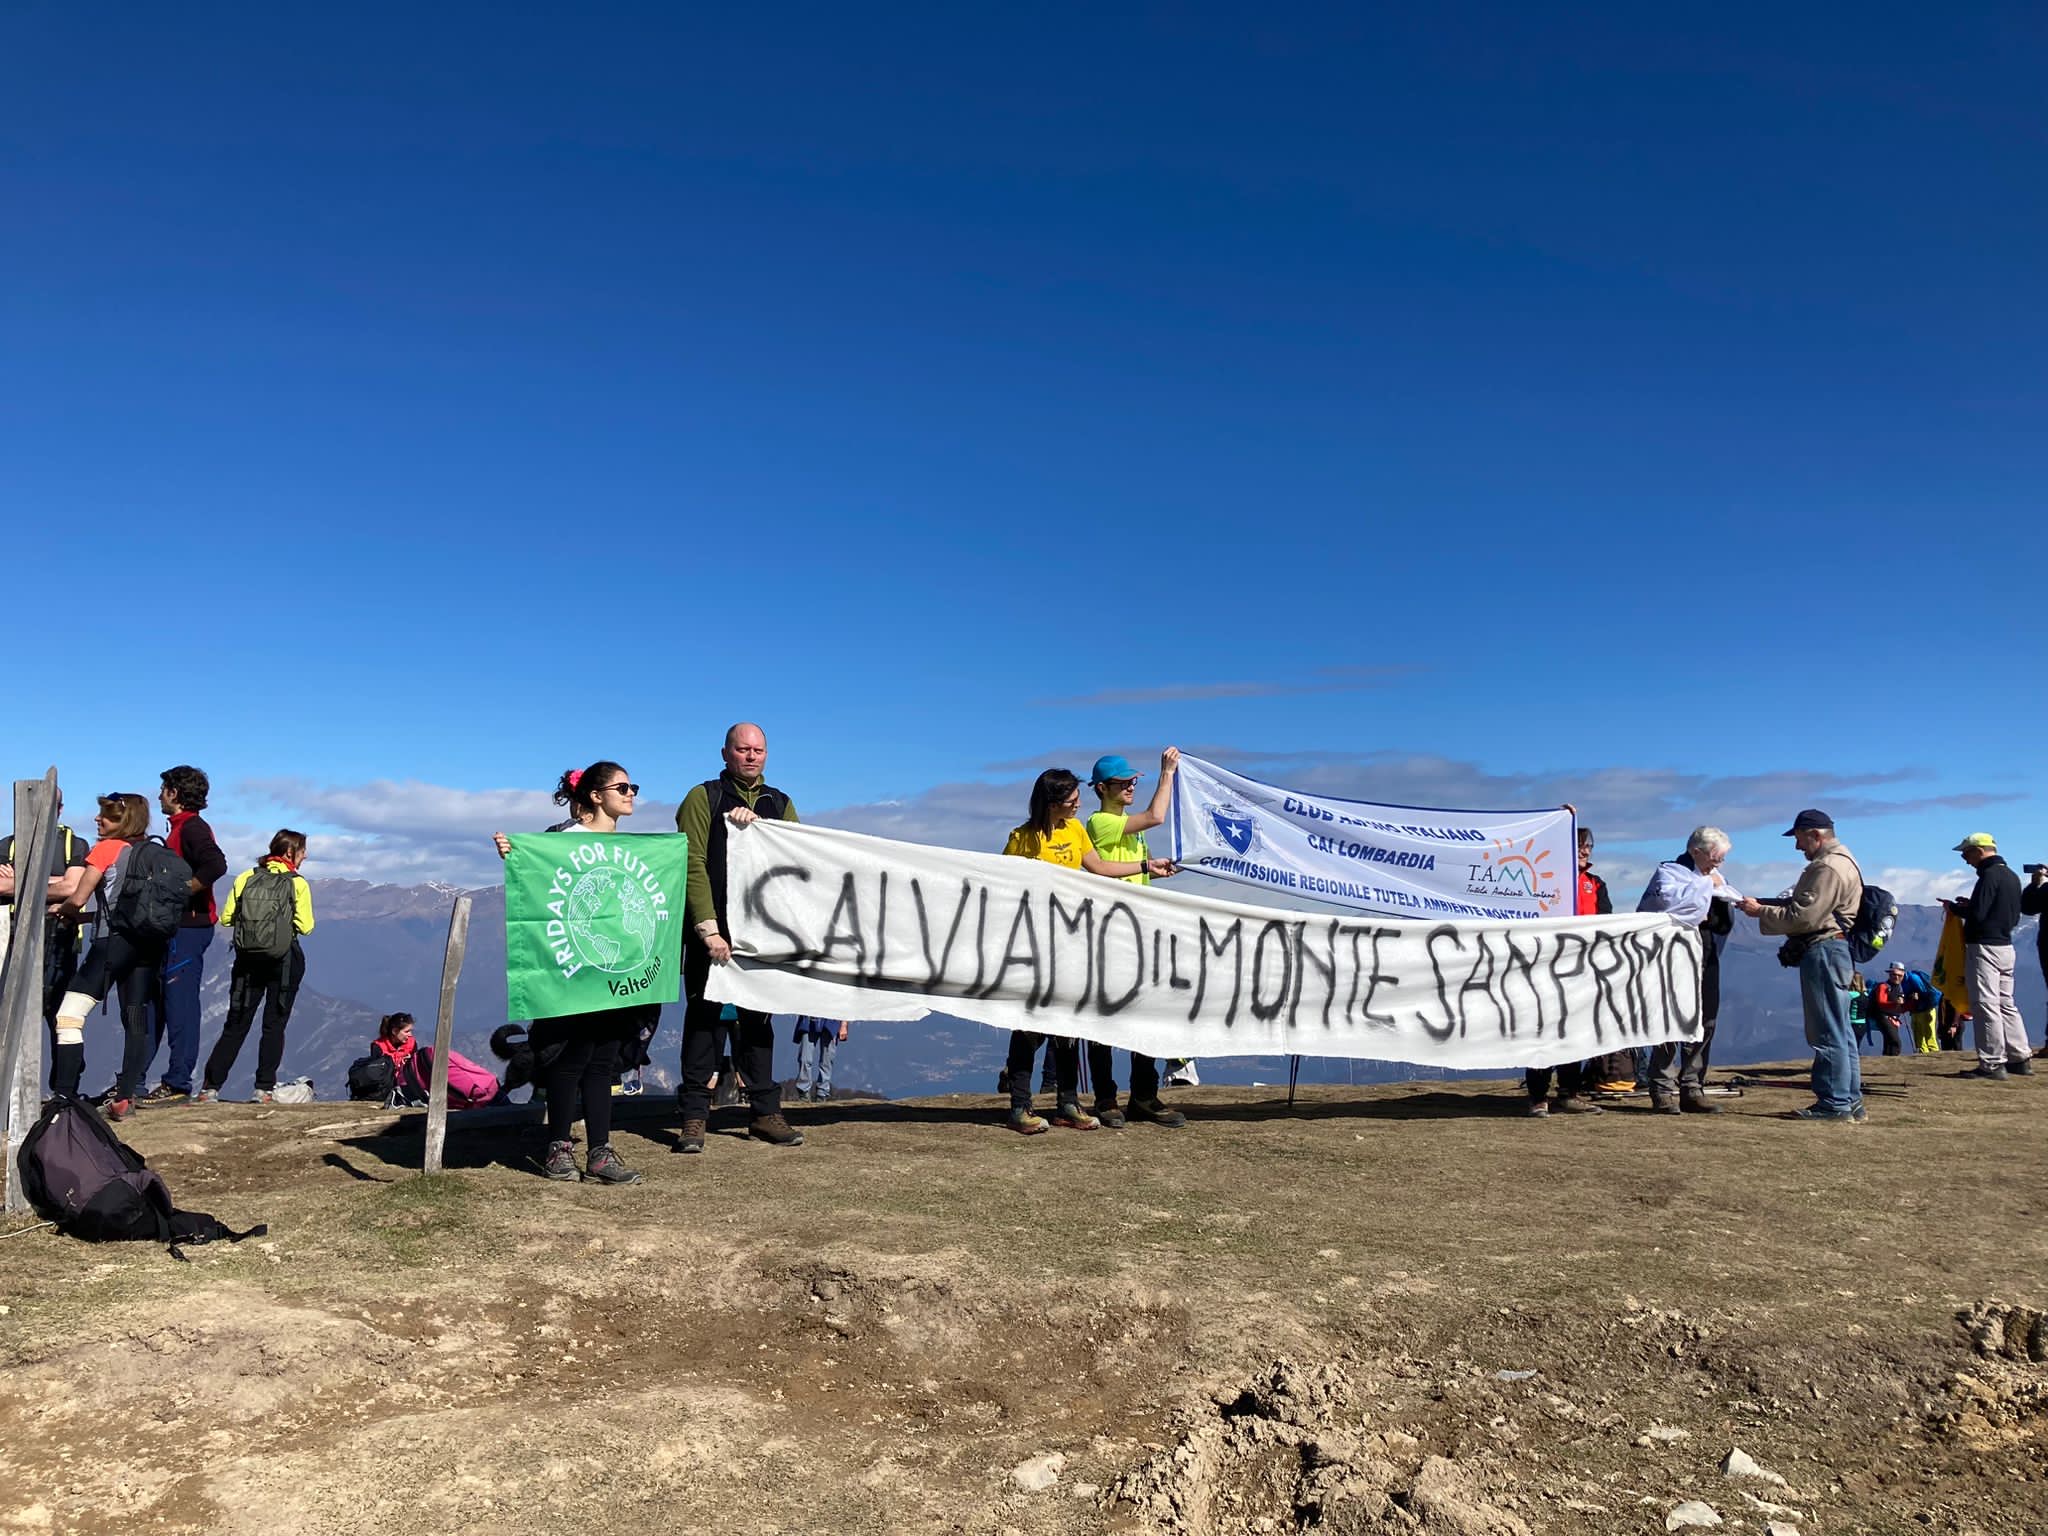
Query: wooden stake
444, 1034
21, 994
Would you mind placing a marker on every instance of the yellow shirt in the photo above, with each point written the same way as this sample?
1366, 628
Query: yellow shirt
1068, 842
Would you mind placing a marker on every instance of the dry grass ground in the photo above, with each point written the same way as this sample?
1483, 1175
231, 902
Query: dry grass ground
1393, 1309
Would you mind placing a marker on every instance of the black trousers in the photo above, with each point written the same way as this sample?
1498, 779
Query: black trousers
269, 980
135, 966
1066, 1065
1571, 1080
578, 1057
753, 1045
1102, 1075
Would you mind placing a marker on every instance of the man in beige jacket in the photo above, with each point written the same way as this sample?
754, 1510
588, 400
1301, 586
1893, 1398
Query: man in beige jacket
1816, 919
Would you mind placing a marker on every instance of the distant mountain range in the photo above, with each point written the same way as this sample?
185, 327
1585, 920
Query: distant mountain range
377, 949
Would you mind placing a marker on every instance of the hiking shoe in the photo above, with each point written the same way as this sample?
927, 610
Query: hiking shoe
119, 1109
2019, 1066
164, 1093
1539, 1109
631, 1084
1666, 1106
1025, 1123
1155, 1113
1578, 1104
604, 1166
692, 1139
206, 1096
776, 1131
1697, 1104
1111, 1117
1074, 1118
263, 1096
560, 1163
1818, 1112
1989, 1074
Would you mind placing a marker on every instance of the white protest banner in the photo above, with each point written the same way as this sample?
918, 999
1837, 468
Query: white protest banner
844, 926
1411, 861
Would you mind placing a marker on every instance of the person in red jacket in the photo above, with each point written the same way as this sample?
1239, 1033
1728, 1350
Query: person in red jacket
1574, 1078
1615, 1071
1888, 1009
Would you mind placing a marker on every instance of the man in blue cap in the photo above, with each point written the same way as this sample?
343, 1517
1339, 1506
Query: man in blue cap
1815, 920
1117, 833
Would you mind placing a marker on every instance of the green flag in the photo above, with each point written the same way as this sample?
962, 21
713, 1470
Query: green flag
593, 920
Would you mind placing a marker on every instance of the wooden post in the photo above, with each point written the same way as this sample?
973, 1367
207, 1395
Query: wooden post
444, 1034
21, 993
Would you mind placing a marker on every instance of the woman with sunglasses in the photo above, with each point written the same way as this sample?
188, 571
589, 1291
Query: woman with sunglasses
132, 962
1056, 834
578, 1053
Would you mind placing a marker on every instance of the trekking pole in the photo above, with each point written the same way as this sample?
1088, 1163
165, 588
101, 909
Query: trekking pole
444, 1034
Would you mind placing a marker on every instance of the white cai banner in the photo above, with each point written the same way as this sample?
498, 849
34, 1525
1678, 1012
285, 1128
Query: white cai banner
844, 926
1409, 861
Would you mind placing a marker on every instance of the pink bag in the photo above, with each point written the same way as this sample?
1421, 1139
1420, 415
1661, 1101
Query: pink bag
469, 1085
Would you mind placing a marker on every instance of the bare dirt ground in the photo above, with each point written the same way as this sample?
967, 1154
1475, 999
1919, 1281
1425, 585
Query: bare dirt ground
1394, 1309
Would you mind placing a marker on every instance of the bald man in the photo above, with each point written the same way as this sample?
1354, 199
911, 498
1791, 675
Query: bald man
737, 796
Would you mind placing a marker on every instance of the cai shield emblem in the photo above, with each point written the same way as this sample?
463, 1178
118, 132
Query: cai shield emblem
1233, 825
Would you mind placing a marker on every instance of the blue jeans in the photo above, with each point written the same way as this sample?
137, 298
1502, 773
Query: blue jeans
1824, 973
814, 1059
177, 1005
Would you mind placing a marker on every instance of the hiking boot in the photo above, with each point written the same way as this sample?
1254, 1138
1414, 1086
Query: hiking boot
1155, 1113
1539, 1109
1025, 1123
164, 1093
560, 1163
1664, 1106
1577, 1104
692, 1139
119, 1109
604, 1166
1074, 1118
1697, 1104
776, 1131
206, 1096
2019, 1066
1111, 1117
1988, 1074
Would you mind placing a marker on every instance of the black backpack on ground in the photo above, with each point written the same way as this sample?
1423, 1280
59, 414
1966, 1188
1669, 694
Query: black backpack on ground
266, 913
155, 893
77, 1173
372, 1078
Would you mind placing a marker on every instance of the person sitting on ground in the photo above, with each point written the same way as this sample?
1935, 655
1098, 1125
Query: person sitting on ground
1054, 834
1118, 832
268, 908
578, 1053
133, 962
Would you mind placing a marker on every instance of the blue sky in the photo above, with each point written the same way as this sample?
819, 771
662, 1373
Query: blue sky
403, 403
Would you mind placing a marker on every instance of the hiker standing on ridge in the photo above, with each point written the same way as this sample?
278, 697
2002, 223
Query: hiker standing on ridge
2034, 903
182, 798
132, 961
60, 942
737, 796
1055, 835
268, 908
1686, 888
576, 1055
1118, 833
1816, 919
1989, 914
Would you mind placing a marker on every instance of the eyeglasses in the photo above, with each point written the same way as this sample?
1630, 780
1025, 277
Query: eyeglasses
630, 791
1118, 784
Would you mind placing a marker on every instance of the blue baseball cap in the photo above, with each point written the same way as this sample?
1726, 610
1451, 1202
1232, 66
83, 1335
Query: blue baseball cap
1112, 767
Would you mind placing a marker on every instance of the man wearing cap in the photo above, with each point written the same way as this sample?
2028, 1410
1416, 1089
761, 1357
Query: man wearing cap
1889, 1008
1815, 920
1989, 914
1119, 834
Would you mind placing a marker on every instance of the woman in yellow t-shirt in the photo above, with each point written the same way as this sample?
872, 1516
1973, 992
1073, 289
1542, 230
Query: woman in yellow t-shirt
1056, 834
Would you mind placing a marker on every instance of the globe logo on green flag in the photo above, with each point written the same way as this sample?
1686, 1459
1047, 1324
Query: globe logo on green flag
593, 921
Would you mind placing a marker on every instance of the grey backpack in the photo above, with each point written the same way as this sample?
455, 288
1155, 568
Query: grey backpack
264, 913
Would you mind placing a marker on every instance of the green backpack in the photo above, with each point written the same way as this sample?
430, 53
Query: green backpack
264, 913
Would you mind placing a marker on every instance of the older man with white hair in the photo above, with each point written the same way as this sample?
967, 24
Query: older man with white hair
1687, 887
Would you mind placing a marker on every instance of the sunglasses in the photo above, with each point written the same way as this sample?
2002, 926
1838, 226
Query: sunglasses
1116, 783
630, 791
